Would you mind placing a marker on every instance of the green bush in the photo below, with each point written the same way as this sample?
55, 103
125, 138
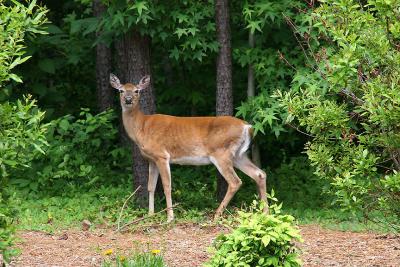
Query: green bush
348, 101
258, 239
21, 134
82, 151
22, 138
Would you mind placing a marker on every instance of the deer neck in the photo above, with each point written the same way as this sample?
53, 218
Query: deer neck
133, 120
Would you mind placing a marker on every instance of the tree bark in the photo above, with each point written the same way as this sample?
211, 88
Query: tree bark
133, 63
224, 97
105, 95
255, 149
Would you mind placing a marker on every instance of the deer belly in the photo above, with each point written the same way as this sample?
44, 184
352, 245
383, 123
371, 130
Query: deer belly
191, 160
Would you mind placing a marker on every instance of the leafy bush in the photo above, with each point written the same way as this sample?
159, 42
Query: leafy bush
348, 100
21, 134
82, 151
16, 21
21, 140
258, 239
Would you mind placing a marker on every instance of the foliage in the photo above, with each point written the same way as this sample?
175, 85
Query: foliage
254, 110
145, 260
81, 152
194, 188
186, 28
22, 138
21, 134
7, 229
137, 260
17, 21
65, 49
259, 239
348, 101
270, 58
297, 186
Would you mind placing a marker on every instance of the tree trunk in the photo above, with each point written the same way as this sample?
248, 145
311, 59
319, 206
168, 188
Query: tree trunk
134, 62
105, 95
224, 98
255, 149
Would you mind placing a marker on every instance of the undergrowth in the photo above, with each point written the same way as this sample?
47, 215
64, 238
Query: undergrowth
102, 206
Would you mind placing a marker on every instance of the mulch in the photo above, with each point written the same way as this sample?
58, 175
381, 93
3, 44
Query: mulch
187, 245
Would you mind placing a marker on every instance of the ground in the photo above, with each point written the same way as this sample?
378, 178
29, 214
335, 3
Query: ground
186, 245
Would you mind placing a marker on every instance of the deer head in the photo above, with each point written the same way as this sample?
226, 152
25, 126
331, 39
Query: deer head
129, 93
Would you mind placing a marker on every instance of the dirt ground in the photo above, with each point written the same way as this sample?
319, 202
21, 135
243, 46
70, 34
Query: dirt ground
186, 245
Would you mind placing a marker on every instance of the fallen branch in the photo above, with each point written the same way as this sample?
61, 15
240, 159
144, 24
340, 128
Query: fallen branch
123, 206
144, 217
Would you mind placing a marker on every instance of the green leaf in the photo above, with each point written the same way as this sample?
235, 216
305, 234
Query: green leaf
15, 78
64, 124
47, 65
265, 240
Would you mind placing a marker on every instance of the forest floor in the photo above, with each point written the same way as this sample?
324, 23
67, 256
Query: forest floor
187, 245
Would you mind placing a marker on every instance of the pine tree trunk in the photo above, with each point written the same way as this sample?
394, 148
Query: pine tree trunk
134, 62
105, 95
224, 98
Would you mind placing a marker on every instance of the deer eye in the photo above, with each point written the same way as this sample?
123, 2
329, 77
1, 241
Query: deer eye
121, 91
136, 91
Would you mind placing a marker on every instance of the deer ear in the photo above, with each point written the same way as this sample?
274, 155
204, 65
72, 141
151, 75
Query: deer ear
144, 82
115, 83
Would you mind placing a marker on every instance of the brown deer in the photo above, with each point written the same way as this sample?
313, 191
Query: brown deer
163, 139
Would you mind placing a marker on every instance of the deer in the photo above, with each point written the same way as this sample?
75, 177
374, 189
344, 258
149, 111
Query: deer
164, 140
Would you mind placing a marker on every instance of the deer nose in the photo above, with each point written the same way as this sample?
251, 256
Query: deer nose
128, 100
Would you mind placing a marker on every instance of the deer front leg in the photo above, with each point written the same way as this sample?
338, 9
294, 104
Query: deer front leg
164, 169
151, 185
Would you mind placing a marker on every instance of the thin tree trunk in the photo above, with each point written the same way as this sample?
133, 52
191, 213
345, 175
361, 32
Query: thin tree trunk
224, 98
134, 56
105, 95
255, 149
122, 67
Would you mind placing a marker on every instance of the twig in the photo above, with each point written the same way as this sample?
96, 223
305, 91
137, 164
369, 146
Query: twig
351, 95
300, 131
145, 217
282, 57
123, 206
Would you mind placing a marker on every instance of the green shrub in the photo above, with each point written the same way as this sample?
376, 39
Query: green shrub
258, 239
22, 138
348, 101
82, 151
21, 134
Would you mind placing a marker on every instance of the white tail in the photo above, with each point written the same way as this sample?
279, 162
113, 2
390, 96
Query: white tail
162, 139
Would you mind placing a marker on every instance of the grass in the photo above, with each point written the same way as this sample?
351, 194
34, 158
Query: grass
136, 260
101, 206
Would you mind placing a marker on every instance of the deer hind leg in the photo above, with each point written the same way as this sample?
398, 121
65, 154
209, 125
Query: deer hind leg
225, 167
151, 185
244, 164
165, 172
